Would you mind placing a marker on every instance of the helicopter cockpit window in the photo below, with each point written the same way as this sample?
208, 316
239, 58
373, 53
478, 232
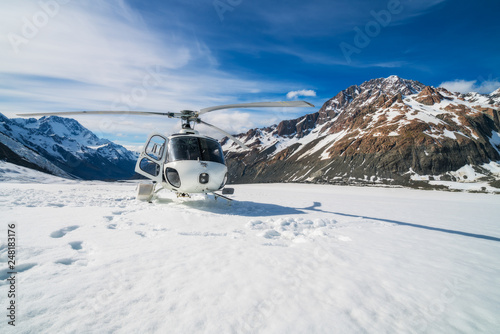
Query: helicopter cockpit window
155, 147
211, 151
184, 148
150, 167
195, 148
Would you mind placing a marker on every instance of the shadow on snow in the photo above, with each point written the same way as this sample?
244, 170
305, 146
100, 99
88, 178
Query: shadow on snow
243, 208
255, 209
317, 205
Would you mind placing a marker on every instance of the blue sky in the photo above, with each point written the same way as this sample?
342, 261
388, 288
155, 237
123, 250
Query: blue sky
62, 55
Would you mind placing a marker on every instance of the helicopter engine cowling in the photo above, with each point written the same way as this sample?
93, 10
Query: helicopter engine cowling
194, 176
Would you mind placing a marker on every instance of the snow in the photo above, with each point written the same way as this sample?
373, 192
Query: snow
492, 167
282, 258
13, 173
97, 146
495, 141
60, 138
30, 156
467, 173
495, 95
449, 134
393, 78
477, 98
427, 114
467, 178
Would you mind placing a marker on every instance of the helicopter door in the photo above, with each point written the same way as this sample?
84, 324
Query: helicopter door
152, 158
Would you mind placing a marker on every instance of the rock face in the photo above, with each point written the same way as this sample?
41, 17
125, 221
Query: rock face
63, 147
429, 96
387, 130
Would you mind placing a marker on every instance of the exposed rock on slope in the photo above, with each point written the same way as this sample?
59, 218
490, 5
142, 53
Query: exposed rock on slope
384, 130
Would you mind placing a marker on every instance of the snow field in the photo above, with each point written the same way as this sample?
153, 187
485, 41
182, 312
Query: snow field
282, 258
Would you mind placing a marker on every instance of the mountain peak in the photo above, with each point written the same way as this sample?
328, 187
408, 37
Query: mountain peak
496, 93
62, 127
393, 78
369, 92
393, 85
384, 130
63, 144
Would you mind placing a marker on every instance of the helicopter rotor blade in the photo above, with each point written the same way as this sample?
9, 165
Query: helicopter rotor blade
226, 133
103, 112
258, 105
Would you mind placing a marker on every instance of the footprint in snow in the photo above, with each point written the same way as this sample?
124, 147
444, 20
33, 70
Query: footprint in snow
4, 273
274, 244
271, 234
62, 232
66, 262
76, 245
202, 234
56, 205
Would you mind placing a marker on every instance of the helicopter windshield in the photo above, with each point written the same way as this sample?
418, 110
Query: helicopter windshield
194, 148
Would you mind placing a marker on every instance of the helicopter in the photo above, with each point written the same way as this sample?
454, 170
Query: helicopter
185, 162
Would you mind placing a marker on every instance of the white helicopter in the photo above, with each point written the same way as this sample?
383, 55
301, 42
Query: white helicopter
185, 162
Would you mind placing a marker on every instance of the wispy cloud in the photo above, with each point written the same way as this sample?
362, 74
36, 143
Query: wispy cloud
464, 86
86, 54
175, 55
104, 56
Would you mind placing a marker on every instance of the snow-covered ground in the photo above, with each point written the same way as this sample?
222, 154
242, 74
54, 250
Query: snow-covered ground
283, 258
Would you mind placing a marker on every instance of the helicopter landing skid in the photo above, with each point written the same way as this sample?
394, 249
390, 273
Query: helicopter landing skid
219, 195
145, 192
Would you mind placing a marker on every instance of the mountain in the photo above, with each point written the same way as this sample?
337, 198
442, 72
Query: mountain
386, 130
63, 147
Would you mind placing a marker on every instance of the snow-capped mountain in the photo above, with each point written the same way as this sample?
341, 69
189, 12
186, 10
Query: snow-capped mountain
384, 130
63, 147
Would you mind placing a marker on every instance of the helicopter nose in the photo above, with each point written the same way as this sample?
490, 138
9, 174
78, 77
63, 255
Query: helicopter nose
204, 178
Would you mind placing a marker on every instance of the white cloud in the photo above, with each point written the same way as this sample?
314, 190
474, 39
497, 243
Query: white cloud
231, 121
463, 86
82, 55
78, 55
97, 44
297, 93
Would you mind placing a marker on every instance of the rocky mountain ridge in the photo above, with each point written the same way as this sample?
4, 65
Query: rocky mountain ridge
63, 147
386, 130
